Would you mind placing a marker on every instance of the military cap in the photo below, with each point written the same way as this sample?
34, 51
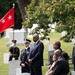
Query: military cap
27, 41
14, 41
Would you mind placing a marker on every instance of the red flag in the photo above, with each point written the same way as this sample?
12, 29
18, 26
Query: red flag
7, 21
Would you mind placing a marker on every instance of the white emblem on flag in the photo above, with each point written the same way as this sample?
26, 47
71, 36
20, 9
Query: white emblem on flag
3, 20
9, 17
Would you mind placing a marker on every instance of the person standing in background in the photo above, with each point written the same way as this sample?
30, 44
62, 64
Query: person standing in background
56, 45
73, 56
14, 51
24, 55
35, 57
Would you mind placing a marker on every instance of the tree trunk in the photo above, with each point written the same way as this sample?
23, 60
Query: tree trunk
22, 4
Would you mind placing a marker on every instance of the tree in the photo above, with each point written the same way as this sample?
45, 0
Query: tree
38, 12
5, 6
22, 4
66, 19
49, 11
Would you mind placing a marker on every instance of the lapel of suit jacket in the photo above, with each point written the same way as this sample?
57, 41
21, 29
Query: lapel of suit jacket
32, 48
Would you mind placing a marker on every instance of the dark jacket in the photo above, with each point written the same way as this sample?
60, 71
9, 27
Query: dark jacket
36, 54
14, 51
61, 67
73, 55
24, 56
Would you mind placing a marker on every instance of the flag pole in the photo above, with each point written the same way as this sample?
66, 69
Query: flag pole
14, 23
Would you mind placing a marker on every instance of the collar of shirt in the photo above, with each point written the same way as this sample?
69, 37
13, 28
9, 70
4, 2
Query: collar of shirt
59, 57
15, 46
36, 41
27, 47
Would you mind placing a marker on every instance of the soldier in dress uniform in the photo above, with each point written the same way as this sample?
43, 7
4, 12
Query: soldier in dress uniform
14, 51
24, 55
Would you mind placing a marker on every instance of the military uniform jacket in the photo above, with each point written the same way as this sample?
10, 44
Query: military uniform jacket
24, 56
14, 51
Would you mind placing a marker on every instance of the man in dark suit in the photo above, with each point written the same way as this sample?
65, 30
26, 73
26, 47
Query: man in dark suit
14, 51
36, 56
24, 55
61, 67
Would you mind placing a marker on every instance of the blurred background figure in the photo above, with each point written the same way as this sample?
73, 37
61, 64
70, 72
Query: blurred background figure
56, 45
73, 56
24, 55
14, 51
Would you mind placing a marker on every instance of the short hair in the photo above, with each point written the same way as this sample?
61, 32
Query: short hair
58, 43
36, 35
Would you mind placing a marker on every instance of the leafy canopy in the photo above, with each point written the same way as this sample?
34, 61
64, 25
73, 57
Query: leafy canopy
45, 12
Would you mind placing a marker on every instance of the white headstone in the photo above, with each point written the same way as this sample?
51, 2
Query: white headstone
18, 72
50, 47
13, 65
6, 58
46, 42
19, 35
72, 72
7, 32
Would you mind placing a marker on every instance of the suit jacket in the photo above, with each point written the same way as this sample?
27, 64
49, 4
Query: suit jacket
36, 54
73, 55
61, 67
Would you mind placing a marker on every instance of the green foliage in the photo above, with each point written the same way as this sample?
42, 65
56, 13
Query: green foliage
45, 12
64, 16
38, 13
5, 6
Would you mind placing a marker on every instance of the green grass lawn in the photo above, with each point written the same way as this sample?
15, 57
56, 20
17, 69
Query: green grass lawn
53, 37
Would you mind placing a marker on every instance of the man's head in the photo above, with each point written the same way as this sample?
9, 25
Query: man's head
27, 43
57, 54
14, 42
35, 37
56, 45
